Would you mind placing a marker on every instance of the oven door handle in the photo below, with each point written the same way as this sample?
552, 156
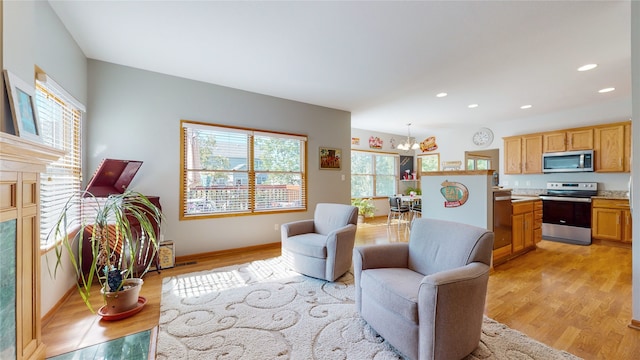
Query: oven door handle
563, 198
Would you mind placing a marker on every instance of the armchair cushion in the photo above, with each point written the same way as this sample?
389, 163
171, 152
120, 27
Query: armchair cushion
311, 244
394, 288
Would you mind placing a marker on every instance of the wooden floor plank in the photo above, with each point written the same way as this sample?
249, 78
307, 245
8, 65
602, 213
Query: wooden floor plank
574, 298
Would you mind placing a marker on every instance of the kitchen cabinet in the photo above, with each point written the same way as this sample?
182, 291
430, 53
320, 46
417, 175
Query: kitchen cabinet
609, 148
513, 155
627, 147
526, 229
532, 152
523, 154
569, 140
611, 144
611, 220
537, 221
522, 226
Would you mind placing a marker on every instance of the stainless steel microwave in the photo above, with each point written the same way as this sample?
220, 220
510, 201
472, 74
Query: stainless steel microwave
567, 161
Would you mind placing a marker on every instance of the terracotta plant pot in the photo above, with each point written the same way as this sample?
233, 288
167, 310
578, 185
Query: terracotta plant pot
123, 300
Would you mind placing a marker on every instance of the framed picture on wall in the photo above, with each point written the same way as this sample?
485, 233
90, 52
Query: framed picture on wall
330, 158
22, 104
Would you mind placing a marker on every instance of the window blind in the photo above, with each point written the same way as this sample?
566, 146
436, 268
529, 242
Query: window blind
234, 171
60, 118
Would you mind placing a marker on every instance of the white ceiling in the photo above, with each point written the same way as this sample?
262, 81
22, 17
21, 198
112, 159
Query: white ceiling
382, 61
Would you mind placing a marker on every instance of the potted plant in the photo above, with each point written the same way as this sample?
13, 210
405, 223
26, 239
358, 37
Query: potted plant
414, 190
365, 206
108, 245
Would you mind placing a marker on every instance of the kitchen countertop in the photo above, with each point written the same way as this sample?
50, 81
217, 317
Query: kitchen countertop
523, 198
611, 197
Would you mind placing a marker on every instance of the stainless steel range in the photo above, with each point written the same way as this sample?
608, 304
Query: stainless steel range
566, 211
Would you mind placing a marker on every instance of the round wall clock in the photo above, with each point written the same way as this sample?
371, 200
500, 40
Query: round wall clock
483, 137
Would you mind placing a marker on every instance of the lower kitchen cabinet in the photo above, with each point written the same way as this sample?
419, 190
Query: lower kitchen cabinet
611, 220
522, 227
537, 221
526, 230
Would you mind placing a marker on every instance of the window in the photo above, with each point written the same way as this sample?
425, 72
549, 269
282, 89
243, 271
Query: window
235, 171
373, 174
478, 162
60, 118
429, 162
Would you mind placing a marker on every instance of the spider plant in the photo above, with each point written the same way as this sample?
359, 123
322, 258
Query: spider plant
119, 234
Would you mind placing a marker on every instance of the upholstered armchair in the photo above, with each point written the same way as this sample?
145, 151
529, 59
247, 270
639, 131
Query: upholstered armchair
426, 297
321, 247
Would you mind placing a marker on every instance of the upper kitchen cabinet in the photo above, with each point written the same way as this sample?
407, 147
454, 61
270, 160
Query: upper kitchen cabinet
611, 144
569, 140
532, 152
523, 154
609, 148
513, 155
627, 147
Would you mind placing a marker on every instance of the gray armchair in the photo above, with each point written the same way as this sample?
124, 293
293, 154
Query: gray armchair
426, 297
321, 247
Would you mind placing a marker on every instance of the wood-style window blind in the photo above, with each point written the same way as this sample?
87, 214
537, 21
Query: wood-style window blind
237, 171
60, 118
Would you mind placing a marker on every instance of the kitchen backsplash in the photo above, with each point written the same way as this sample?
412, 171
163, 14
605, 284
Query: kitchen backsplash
605, 193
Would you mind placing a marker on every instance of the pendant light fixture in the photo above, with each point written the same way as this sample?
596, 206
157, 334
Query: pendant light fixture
409, 144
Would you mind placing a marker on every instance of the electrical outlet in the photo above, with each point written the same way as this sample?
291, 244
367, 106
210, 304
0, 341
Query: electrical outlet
528, 183
516, 183
276, 227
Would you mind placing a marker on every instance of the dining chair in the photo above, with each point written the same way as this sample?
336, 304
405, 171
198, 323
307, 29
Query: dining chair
416, 208
397, 210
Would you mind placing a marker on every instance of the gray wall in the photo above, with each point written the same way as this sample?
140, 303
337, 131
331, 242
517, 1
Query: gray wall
135, 115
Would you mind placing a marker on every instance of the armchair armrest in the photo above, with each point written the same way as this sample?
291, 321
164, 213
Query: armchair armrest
296, 228
464, 273
459, 296
381, 256
335, 238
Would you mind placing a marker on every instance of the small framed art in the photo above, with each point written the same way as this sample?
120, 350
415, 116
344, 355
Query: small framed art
22, 104
330, 158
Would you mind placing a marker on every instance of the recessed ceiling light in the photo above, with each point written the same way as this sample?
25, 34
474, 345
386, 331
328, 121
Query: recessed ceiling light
473, 106
606, 90
587, 67
442, 94
525, 107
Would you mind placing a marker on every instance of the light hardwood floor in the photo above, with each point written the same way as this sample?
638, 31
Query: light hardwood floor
574, 298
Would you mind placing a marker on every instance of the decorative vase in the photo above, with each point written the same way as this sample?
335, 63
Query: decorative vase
124, 300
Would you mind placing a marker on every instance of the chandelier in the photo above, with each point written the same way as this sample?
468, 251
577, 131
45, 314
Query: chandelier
409, 144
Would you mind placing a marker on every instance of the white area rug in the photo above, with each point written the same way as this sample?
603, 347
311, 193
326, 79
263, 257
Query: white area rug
261, 310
